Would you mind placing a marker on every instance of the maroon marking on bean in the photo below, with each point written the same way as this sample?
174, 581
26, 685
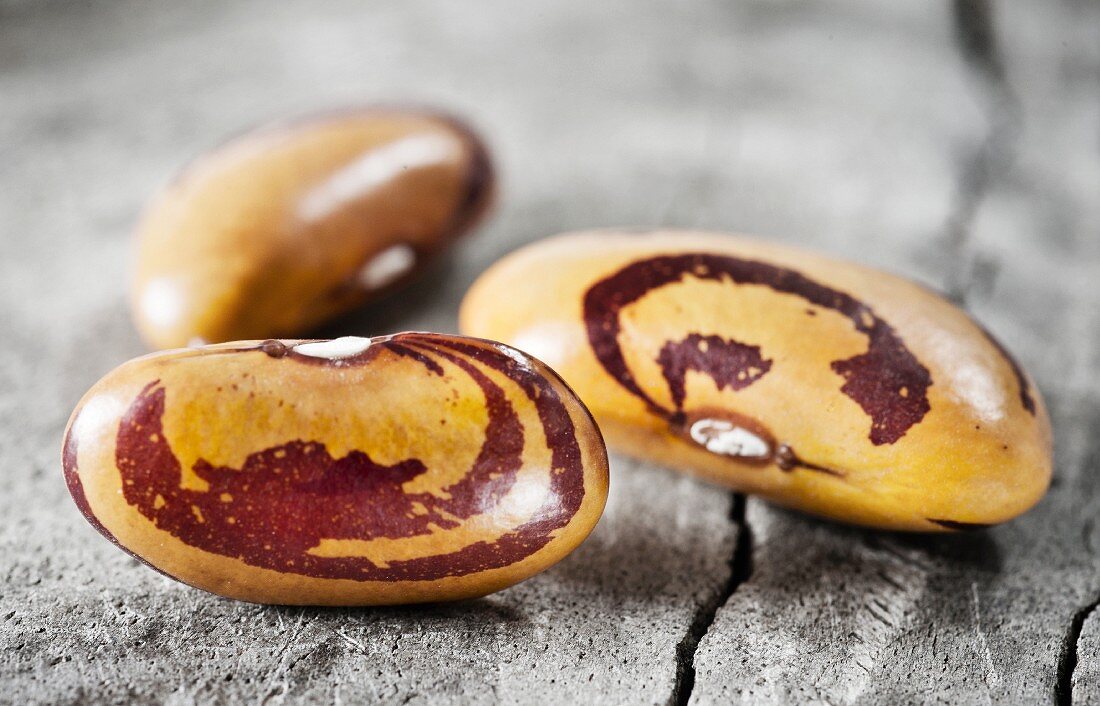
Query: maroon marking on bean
788, 460
1026, 400
76, 490
729, 363
888, 382
960, 526
478, 180
416, 355
566, 460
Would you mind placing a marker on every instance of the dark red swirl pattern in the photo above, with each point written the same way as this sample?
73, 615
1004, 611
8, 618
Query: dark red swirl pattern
729, 363
887, 381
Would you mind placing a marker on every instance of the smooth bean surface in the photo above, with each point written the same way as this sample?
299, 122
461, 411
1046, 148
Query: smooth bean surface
819, 384
408, 468
292, 224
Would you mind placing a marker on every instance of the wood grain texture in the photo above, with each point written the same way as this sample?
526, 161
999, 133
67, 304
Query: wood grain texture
866, 129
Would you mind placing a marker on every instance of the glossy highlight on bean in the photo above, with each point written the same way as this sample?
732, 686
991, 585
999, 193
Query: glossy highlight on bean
292, 224
336, 520
819, 384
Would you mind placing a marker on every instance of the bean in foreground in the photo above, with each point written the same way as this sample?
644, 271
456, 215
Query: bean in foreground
408, 468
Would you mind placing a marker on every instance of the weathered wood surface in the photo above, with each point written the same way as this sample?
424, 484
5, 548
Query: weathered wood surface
951, 143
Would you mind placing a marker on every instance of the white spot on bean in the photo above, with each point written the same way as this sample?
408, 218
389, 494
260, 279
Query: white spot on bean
97, 416
722, 437
527, 497
337, 348
162, 303
387, 266
553, 342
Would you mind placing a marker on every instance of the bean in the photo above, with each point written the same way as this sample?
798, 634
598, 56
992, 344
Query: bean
401, 469
818, 384
295, 223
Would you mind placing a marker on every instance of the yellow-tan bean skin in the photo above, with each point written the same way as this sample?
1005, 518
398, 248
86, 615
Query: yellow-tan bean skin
294, 223
818, 384
401, 469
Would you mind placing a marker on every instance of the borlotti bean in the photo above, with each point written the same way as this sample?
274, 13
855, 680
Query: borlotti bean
292, 224
407, 468
819, 384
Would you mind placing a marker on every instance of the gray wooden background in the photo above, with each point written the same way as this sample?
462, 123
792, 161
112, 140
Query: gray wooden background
958, 144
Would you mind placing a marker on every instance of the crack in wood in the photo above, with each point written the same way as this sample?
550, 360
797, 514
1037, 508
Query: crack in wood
1067, 660
740, 572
